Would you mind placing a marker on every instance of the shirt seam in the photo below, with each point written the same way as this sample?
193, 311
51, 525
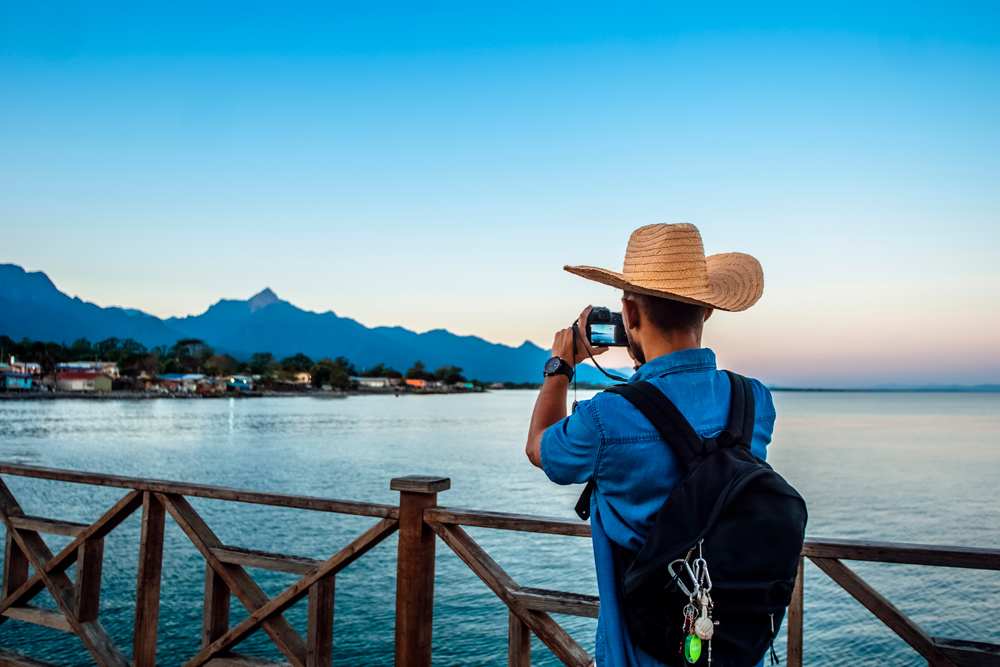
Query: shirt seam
600, 448
682, 369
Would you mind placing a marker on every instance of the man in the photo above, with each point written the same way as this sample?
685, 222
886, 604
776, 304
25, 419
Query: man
670, 290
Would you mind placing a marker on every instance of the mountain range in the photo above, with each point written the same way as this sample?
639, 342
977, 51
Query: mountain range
31, 306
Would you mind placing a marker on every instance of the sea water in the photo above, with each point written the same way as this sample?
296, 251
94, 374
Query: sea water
907, 467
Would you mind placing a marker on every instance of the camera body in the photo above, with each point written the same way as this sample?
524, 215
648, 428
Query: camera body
605, 328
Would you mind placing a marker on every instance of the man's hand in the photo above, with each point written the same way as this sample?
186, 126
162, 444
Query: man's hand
562, 346
550, 406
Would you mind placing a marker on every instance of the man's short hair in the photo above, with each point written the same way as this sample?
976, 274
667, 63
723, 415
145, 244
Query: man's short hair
667, 314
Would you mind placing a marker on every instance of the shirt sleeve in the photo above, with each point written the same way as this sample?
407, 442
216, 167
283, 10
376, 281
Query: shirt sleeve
763, 426
570, 447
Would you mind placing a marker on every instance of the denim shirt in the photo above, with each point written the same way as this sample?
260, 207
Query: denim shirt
608, 439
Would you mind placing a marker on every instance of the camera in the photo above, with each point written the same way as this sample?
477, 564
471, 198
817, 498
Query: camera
605, 328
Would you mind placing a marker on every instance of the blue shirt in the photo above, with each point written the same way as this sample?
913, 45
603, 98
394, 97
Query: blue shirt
609, 440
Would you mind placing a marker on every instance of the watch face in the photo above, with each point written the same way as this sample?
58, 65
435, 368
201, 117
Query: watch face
552, 365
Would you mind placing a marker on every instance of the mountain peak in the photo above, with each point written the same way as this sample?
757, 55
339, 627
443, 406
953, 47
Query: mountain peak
263, 300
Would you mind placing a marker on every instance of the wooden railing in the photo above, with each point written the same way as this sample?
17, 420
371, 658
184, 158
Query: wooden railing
420, 522
828, 555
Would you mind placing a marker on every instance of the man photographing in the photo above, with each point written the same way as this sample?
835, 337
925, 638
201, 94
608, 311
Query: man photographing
670, 291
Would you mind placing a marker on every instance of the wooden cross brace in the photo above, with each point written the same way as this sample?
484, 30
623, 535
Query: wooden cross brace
503, 586
78, 602
265, 613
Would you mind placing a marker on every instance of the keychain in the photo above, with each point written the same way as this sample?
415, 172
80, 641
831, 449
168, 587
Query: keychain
699, 631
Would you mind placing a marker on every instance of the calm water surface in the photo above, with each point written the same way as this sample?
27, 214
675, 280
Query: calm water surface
899, 467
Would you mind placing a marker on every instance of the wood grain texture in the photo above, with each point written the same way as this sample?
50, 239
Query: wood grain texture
147, 598
897, 621
545, 628
969, 654
294, 593
899, 552
215, 614
87, 591
93, 635
15, 566
240, 660
518, 642
414, 581
559, 602
420, 484
39, 616
319, 623
242, 585
11, 659
100, 528
507, 521
265, 560
48, 526
795, 611
203, 491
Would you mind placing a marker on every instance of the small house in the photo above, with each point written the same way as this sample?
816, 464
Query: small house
372, 383
180, 381
15, 381
108, 368
82, 381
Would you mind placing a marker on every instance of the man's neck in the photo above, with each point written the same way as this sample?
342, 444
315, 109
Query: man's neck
664, 344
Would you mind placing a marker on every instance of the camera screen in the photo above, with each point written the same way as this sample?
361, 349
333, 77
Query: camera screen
602, 334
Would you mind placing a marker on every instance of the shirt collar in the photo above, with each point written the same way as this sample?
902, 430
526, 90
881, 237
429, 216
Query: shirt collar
682, 361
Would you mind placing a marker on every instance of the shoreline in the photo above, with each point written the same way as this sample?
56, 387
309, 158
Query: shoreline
330, 395
185, 396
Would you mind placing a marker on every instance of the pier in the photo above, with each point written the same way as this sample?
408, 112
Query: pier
30, 567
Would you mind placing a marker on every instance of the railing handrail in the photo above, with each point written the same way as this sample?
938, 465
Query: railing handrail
861, 550
293, 501
419, 519
527, 523
903, 553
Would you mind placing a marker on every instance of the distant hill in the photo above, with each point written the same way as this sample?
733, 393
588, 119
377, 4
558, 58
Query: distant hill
32, 307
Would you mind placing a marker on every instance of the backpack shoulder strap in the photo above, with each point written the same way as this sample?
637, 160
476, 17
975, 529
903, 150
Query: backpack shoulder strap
668, 420
675, 430
739, 430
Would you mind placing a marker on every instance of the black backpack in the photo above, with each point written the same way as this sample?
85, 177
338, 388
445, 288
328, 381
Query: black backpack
745, 520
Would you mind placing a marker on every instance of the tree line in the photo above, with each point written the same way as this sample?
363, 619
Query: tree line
192, 355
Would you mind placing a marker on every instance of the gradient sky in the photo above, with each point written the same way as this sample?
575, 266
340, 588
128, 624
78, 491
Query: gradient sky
435, 165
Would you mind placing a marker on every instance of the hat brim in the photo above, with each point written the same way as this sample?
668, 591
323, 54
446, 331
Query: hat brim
735, 282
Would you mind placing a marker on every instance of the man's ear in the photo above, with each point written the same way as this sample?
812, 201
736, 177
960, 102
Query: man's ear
708, 313
631, 311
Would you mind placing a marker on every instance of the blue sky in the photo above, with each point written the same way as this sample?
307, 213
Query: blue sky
435, 165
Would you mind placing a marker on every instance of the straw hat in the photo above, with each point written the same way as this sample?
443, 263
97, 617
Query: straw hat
669, 261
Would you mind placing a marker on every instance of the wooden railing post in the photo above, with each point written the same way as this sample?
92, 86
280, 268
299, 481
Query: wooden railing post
87, 595
319, 630
215, 614
147, 592
415, 569
15, 566
518, 642
795, 609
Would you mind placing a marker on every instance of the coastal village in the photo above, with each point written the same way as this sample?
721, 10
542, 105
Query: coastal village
191, 369
104, 378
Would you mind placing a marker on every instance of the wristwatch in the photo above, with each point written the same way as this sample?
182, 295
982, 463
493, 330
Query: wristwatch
556, 366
